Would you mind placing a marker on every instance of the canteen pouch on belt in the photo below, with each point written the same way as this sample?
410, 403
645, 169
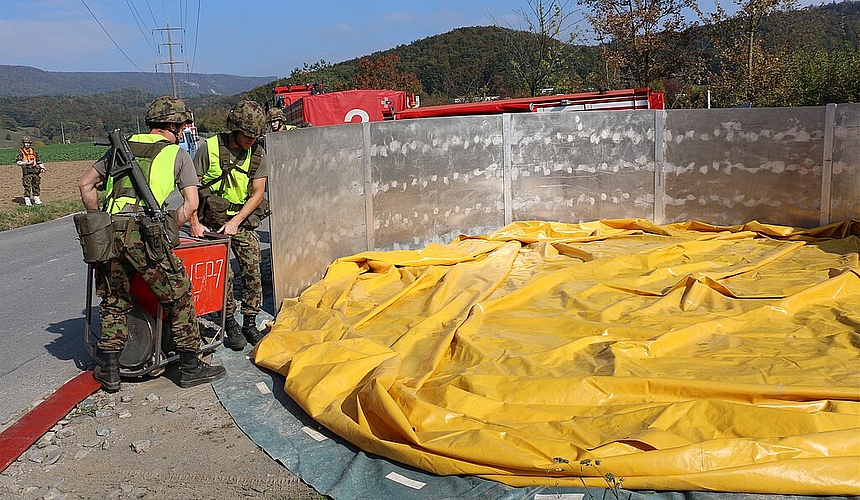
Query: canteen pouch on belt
215, 211
257, 216
152, 233
96, 236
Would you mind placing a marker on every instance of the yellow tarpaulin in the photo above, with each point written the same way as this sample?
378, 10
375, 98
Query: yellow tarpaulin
676, 357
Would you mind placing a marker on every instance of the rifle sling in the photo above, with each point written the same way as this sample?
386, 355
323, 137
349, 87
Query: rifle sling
138, 149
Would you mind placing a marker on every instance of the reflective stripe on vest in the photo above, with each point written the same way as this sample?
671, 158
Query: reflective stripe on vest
28, 154
235, 184
159, 172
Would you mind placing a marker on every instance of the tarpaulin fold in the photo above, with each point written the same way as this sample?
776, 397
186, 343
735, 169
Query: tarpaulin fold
678, 357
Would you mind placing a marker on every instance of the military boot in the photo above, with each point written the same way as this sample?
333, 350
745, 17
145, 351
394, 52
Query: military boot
193, 372
107, 373
250, 331
235, 340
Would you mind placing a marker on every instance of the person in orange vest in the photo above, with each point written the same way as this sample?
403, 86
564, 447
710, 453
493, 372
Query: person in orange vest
32, 168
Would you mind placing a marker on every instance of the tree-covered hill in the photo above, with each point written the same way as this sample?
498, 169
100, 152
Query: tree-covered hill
25, 81
81, 118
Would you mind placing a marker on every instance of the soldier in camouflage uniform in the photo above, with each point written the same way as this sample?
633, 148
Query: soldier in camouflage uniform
165, 166
276, 119
31, 170
232, 167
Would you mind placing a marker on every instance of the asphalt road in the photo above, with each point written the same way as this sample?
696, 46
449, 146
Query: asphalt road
42, 301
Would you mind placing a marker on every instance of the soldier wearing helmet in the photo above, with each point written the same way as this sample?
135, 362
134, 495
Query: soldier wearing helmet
166, 166
233, 170
31, 171
276, 119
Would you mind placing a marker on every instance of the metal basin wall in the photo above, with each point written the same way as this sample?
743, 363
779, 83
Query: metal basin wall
344, 189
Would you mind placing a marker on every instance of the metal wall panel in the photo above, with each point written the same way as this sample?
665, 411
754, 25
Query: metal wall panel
429, 180
845, 187
574, 167
730, 166
316, 189
435, 179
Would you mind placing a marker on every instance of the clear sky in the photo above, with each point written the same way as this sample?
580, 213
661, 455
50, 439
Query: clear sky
237, 37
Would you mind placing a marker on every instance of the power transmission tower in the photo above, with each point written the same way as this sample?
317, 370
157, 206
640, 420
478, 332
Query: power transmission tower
170, 43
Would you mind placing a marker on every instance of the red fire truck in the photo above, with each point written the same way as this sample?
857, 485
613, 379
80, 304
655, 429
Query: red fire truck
309, 104
641, 98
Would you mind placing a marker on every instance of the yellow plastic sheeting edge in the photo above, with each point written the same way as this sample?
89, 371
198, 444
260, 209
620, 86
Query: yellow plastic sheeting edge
678, 357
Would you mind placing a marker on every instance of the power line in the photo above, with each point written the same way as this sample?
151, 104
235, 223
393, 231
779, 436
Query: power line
111, 38
182, 12
196, 32
154, 22
140, 24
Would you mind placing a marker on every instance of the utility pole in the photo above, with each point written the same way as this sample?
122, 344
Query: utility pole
170, 43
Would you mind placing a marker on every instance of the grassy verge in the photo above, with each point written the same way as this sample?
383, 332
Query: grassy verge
24, 216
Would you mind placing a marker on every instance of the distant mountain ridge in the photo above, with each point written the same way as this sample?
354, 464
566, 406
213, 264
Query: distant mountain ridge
26, 81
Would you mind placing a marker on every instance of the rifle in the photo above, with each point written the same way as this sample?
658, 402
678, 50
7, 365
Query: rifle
120, 163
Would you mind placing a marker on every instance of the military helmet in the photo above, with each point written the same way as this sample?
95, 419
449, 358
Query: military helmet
167, 109
247, 117
25, 140
275, 114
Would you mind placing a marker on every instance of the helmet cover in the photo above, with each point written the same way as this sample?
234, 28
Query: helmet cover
248, 117
167, 109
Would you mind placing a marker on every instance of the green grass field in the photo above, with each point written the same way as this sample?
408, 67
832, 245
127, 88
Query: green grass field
58, 152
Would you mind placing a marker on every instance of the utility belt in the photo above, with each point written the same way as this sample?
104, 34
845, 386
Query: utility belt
97, 234
122, 222
216, 210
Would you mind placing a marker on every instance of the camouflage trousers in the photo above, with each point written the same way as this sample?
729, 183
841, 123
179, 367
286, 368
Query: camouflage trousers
167, 280
32, 185
246, 247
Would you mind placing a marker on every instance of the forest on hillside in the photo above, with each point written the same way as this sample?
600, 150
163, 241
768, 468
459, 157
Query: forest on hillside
768, 53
